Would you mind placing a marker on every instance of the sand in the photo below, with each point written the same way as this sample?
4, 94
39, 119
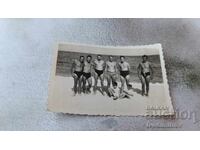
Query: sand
61, 99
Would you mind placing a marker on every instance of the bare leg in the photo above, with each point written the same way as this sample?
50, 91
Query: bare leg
110, 92
75, 84
89, 84
147, 85
84, 84
122, 95
95, 82
109, 81
122, 83
102, 85
114, 78
80, 80
128, 81
143, 84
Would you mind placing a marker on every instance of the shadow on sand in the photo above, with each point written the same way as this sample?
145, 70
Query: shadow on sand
138, 91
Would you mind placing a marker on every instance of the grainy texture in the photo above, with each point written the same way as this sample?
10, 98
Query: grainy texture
26, 48
65, 59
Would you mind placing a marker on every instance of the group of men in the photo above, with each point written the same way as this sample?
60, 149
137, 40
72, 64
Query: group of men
85, 68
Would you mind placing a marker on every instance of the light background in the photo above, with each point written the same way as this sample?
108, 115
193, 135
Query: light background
26, 48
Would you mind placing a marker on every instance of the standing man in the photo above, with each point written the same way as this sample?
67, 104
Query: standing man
77, 72
111, 68
87, 74
99, 67
124, 69
145, 73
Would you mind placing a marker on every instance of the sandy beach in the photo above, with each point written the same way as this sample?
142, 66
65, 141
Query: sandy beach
61, 99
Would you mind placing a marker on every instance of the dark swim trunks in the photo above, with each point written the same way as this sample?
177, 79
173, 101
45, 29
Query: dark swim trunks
99, 72
124, 73
87, 75
145, 74
78, 73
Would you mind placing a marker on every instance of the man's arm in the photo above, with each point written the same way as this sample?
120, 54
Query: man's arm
104, 66
129, 68
116, 69
93, 64
82, 66
72, 67
139, 71
151, 70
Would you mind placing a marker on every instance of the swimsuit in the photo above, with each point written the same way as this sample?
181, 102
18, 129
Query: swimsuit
78, 73
99, 72
124, 73
87, 75
145, 74
111, 74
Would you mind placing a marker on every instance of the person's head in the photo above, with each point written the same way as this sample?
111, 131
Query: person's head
110, 58
99, 57
89, 58
81, 58
114, 85
144, 58
122, 58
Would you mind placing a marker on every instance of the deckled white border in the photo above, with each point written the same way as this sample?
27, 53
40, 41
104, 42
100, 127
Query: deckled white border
139, 50
165, 80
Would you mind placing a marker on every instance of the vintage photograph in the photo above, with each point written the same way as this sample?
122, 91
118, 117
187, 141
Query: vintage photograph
100, 80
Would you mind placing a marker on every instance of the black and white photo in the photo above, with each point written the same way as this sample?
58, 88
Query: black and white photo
103, 80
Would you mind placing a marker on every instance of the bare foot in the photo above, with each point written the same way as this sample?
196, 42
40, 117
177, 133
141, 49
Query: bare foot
142, 93
115, 98
74, 93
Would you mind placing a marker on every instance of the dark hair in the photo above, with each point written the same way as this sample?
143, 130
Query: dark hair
81, 56
89, 56
114, 83
121, 57
99, 55
145, 56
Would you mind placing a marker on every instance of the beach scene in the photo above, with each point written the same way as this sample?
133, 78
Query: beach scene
62, 97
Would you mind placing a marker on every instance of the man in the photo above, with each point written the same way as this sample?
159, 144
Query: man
77, 72
116, 93
124, 69
99, 67
111, 68
87, 74
145, 73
